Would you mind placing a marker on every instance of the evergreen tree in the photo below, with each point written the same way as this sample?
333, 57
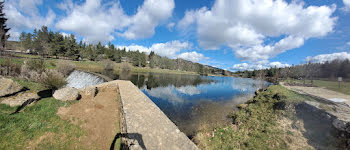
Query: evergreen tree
3, 28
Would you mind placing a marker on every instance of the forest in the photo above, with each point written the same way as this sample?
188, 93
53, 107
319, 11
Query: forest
329, 70
51, 44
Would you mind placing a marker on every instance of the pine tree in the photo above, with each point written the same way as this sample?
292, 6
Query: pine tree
3, 29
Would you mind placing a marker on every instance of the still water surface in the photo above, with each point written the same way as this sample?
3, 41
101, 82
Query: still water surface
192, 101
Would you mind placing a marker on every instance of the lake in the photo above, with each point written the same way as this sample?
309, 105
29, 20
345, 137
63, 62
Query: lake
193, 102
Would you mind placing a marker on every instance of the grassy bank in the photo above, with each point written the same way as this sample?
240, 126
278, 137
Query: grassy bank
37, 126
330, 85
256, 124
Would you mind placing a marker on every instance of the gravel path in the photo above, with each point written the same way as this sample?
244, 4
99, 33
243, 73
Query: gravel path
321, 92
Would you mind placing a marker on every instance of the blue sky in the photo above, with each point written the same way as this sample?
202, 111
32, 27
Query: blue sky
229, 34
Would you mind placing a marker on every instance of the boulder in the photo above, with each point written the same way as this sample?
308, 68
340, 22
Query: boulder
9, 87
89, 92
21, 99
66, 94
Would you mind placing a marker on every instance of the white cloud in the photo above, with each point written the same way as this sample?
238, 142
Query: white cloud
247, 26
346, 5
96, 21
192, 56
149, 15
328, 57
278, 64
258, 66
348, 43
24, 15
171, 49
170, 26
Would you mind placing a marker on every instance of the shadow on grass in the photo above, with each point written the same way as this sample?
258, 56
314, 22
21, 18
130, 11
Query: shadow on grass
42, 94
318, 128
130, 136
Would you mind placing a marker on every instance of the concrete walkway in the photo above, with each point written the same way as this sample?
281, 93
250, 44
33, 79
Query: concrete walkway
146, 125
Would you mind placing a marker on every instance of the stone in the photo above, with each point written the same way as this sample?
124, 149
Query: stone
21, 99
89, 92
9, 87
66, 94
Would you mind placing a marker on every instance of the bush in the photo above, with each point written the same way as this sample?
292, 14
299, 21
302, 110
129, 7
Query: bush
36, 64
8, 68
108, 65
126, 67
65, 67
53, 79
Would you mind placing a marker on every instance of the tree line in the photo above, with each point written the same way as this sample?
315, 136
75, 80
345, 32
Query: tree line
54, 44
327, 70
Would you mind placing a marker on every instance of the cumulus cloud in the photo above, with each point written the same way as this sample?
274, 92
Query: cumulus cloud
247, 26
258, 66
192, 56
148, 16
96, 21
24, 15
328, 57
171, 49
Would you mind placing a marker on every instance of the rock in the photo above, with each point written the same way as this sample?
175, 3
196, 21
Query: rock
66, 94
9, 87
21, 99
341, 125
89, 92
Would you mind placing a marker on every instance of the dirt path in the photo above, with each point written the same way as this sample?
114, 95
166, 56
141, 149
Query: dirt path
98, 116
321, 92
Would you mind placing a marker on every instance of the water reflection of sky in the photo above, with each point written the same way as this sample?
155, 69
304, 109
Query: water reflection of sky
188, 105
223, 89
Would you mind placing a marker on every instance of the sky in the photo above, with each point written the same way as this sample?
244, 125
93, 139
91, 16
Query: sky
228, 34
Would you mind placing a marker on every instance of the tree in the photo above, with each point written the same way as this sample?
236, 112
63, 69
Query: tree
57, 46
3, 28
22, 39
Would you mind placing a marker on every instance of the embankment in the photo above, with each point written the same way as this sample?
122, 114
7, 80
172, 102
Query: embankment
276, 118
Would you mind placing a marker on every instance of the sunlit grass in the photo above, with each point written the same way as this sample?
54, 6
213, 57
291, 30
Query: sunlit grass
37, 126
330, 85
256, 125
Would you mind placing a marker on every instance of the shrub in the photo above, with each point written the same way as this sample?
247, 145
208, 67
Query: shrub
126, 67
35, 64
65, 67
53, 79
108, 65
8, 68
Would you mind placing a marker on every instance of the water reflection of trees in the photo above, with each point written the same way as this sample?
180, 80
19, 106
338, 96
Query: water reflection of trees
153, 80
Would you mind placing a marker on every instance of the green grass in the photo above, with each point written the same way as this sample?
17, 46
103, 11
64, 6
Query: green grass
32, 86
256, 125
330, 85
24, 129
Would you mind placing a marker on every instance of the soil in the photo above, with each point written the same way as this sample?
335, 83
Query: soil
97, 116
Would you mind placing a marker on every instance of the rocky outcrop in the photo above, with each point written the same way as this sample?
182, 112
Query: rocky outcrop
66, 94
20, 99
9, 87
89, 92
